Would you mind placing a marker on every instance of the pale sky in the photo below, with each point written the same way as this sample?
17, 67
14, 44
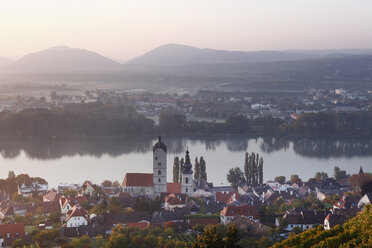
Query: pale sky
123, 29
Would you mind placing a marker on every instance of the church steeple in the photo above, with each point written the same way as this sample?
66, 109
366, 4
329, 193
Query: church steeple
361, 170
187, 167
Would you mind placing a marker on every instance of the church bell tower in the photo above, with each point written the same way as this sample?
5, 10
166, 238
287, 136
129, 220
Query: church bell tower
160, 167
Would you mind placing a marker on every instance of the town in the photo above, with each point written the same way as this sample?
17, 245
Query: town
263, 212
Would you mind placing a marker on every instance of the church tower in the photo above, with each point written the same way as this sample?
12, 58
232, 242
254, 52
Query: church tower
159, 167
187, 184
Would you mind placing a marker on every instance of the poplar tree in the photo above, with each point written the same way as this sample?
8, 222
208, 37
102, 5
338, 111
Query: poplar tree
197, 170
182, 162
176, 170
203, 169
260, 167
247, 172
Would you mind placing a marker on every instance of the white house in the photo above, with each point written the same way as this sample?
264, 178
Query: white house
366, 199
76, 217
173, 201
67, 203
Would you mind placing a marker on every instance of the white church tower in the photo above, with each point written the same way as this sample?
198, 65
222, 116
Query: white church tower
187, 184
160, 167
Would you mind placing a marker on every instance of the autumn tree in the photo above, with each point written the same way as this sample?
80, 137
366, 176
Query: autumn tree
197, 169
176, 170
203, 169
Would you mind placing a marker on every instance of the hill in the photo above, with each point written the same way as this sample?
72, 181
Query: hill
355, 233
64, 59
176, 55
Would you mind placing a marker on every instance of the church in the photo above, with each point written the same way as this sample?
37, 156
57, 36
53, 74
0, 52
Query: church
154, 184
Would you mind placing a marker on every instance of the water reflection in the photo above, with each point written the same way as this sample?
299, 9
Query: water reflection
55, 149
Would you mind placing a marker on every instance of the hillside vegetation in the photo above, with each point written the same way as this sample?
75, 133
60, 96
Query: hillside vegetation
355, 233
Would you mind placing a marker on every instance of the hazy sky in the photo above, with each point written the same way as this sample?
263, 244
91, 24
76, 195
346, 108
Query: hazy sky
123, 29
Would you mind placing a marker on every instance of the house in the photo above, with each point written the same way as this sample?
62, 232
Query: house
87, 189
40, 208
173, 201
51, 196
305, 219
176, 215
331, 220
111, 220
202, 221
67, 203
10, 232
28, 190
228, 213
250, 227
347, 201
366, 199
77, 216
7, 209
227, 197
111, 191
66, 186
138, 184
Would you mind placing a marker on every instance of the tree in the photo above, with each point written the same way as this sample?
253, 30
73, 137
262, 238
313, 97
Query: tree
182, 162
203, 169
357, 180
235, 176
197, 169
247, 169
83, 242
321, 175
176, 170
366, 187
18, 243
295, 179
70, 193
339, 174
280, 179
106, 183
260, 171
213, 238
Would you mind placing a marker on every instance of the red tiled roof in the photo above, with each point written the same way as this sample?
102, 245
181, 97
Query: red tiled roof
12, 229
138, 179
226, 196
51, 196
175, 199
243, 210
174, 188
77, 211
139, 225
73, 200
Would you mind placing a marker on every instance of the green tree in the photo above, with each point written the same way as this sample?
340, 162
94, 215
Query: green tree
182, 162
203, 169
18, 243
295, 178
321, 175
196, 169
247, 169
235, 176
339, 174
280, 179
70, 193
260, 171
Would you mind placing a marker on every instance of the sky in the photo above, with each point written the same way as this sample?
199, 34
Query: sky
123, 29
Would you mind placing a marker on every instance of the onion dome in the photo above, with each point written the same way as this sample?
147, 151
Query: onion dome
187, 167
160, 145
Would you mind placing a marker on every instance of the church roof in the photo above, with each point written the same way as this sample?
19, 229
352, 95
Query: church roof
187, 167
160, 145
138, 179
174, 188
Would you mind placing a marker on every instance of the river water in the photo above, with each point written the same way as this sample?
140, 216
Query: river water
97, 159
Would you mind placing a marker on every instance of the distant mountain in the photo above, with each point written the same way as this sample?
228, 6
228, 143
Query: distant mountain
64, 60
4, 62
174, 54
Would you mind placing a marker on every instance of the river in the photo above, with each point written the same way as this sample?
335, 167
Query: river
97, 159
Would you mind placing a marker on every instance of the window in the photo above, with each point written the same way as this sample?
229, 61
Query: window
156, 158
8, 235
159, 172
186, 180
159, 163
159, 180
17, 234
187, 190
